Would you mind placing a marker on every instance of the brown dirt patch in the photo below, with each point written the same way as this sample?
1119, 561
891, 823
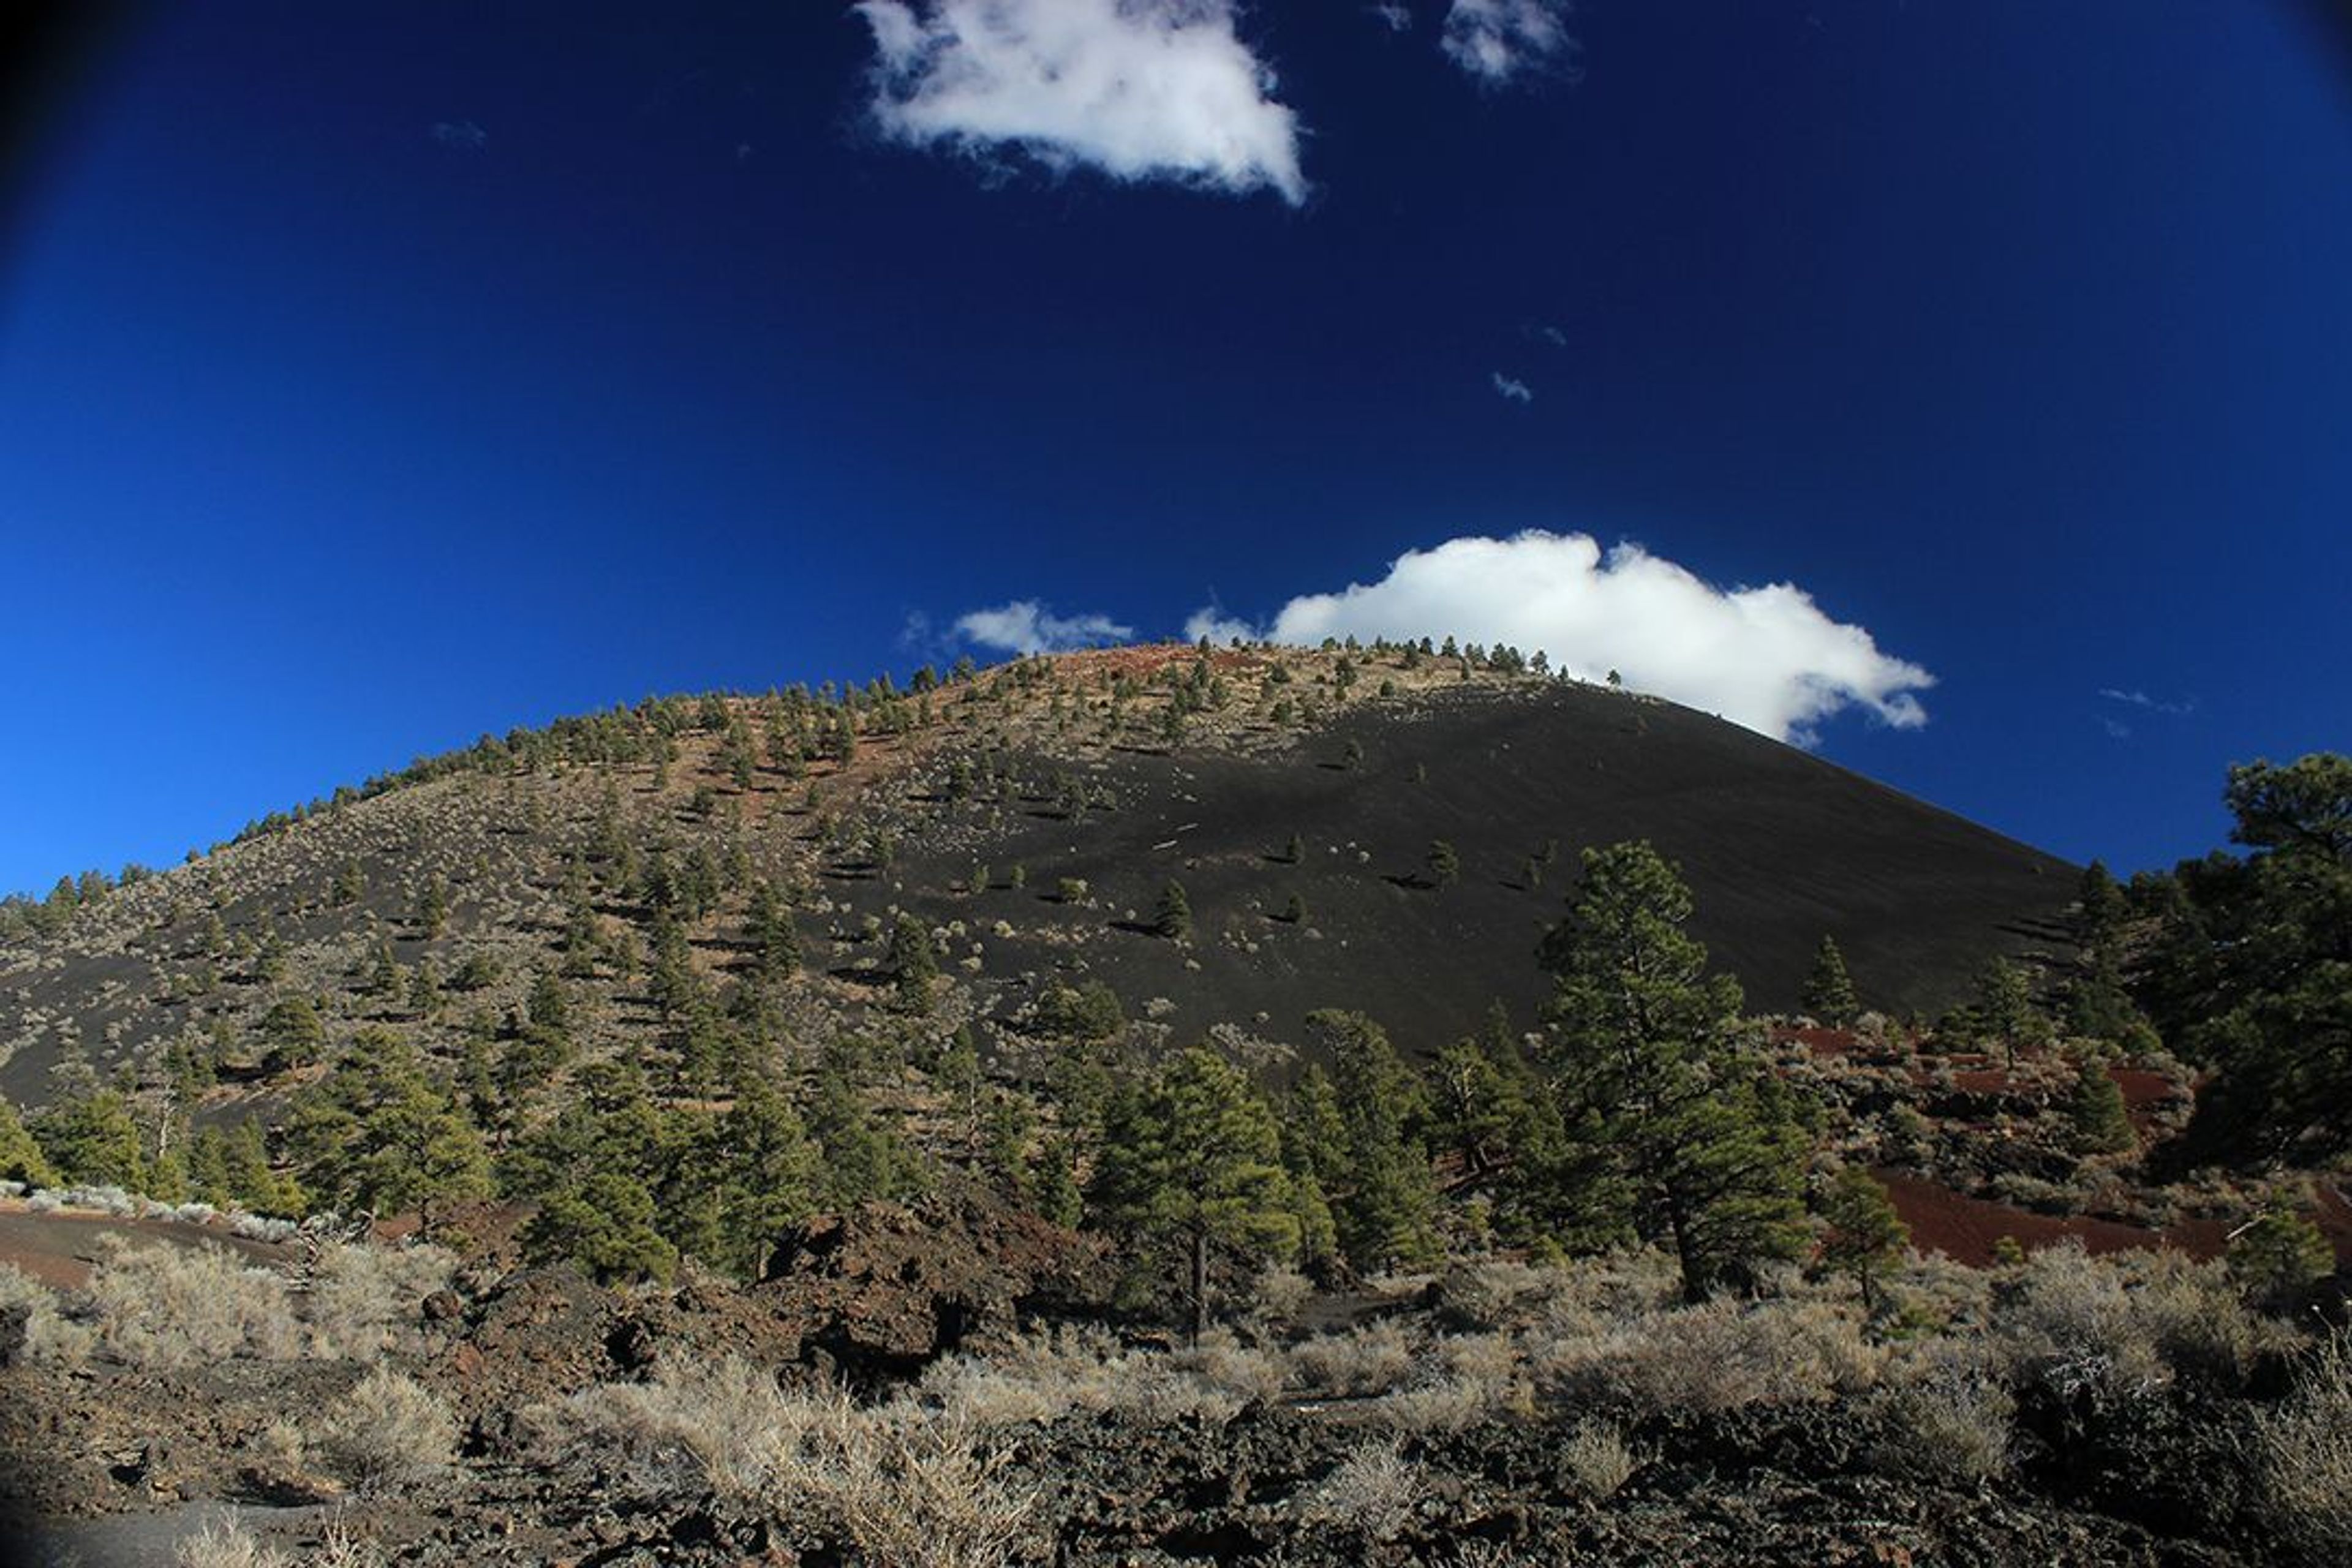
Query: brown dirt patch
58, 1248
1966, 1229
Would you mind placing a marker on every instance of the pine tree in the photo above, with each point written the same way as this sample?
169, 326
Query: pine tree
2095, 1110
914, 963
293, 1034
766, 1171
1866, 1236
1384, 1196
1445, 865
21, 1159
380, 1134
1829, 993
604, 1224
1671, 1130
2005, 1006
92, 1139
1194, 1156
775, 939
863, 1159
1173, 916
2282, 1257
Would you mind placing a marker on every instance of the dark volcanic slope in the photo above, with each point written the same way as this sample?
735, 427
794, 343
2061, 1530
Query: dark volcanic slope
1779, 847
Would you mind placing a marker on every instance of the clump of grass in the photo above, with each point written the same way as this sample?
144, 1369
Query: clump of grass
1372, 1493
51, 1338
1598, 1460
1948, 1427
224, 1541
388, 1430
174, 1306
2304, 1448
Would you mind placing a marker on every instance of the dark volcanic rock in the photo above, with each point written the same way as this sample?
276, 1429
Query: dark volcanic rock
885, 1290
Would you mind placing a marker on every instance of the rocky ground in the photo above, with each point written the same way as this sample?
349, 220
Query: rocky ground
957, 1386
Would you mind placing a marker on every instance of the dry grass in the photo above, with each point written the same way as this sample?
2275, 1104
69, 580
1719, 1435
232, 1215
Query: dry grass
1374, 1358
224, 1541
725, 1423
1716, 1356
1050, 1376
389, 1430
2304, 1446
909, 1482
176, 1307
51, 1339
1372, 1494
1598, 1460
361, 1298
1953, 1428
2123, 1326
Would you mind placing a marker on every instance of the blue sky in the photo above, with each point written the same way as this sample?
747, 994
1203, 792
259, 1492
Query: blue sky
372, 376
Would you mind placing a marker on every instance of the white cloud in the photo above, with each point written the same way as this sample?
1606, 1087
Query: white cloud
2139, 698
1141, 89
1398, 17
1765, 657
1517, 391
459, 135
1495, 41
1213, 623
1026, 627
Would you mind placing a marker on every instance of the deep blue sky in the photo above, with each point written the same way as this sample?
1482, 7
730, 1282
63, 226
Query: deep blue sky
2018, 334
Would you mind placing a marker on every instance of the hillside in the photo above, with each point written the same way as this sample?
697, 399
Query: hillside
436, 898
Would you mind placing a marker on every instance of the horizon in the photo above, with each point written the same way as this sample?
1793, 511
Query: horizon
1958, 394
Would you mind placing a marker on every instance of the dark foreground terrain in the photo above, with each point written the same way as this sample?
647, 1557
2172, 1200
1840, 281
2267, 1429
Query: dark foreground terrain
952, 1387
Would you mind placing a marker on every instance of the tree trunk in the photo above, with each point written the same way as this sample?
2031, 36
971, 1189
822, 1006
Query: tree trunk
1199, 1285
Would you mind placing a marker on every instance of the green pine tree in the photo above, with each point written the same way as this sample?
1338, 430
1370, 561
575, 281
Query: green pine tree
2281, 1257
1384, 1197
2095, 1110
1173, 916
380, 1134
1194, 1157
21, 1159
1673, 1132
1829, 994
1865, 1237
914, 963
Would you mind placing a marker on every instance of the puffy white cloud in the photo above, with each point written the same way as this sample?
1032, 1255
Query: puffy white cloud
1765, 657
1399, 17
1026, 627
1495, 41
1141, 89
1513, 389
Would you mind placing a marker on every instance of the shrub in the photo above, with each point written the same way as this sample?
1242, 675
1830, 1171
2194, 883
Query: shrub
359, 1295
388, 1430
50, 1337
169, 1306
1373, 1358
1948, 1426
2305, 1447
1718, 1356
727, 1421
224, 1541
1598, 1460
1372, 1493
910, 1490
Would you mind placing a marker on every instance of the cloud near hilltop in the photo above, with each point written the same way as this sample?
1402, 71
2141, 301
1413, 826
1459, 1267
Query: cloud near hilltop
1766, 657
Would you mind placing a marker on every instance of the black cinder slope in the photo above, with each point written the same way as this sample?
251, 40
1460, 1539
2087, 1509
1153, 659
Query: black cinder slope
1780, 848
